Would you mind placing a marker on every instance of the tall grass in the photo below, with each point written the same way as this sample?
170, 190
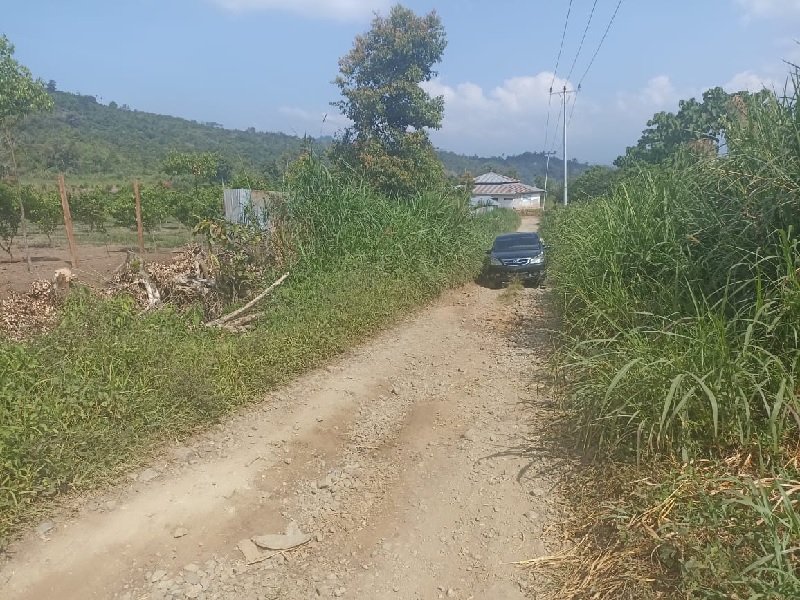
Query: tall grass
79, 404
679, 295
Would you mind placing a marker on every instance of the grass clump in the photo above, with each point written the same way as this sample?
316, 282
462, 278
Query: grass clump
678, 293
80, 403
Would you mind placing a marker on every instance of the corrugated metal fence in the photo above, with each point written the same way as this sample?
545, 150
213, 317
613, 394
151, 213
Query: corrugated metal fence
245, 206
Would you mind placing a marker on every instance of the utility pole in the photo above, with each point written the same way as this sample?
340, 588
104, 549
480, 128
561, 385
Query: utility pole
563, 95
546, 171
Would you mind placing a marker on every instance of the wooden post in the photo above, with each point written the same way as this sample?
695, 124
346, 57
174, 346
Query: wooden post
73, 251
139, 228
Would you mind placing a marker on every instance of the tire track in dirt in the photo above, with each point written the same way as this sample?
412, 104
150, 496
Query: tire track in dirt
413, 462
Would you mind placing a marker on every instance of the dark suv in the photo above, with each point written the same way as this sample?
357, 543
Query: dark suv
515, 255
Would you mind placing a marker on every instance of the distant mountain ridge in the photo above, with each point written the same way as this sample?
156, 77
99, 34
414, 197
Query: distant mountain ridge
529, 167
87, 139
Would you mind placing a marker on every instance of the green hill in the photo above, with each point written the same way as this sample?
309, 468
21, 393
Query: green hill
530, 167
91, 141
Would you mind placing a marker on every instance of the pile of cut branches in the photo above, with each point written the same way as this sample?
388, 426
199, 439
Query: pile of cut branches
22, 315
185, 281
190, 279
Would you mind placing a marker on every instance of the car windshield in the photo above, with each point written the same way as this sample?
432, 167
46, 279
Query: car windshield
517, 242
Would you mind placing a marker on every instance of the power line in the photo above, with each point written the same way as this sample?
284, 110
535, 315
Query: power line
555, 71
561, 48
596, 52
600, 45
583, 39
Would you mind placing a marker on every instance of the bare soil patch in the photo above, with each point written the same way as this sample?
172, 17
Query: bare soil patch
96, 263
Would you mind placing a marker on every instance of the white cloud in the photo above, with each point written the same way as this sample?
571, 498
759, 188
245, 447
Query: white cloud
659, 94
769, 9
750, 82
515, 108
341, 10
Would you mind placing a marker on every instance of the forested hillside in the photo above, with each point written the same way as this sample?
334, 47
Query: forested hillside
530, 167
87, 139
84, 138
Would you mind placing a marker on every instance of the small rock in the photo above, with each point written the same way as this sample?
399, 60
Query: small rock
469, 435
451, 593
180, 532
251, 552
287, 460
192, 568
183, 454
323, 591
147, 475
339, 592
193, 592
157, 575
44, 528
281, 542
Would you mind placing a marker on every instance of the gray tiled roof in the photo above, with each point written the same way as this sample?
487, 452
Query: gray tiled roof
504, 189
494, 178
493, 184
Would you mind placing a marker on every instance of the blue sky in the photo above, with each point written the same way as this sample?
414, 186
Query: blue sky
269, 64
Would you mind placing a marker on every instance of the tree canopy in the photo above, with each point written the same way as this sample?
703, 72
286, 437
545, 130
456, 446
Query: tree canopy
380, 83
20, 94
699, 124
594, 182
379, 78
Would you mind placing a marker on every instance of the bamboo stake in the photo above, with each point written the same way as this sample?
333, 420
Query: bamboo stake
139, 228
73, 251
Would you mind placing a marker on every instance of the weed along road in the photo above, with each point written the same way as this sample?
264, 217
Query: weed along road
408, 468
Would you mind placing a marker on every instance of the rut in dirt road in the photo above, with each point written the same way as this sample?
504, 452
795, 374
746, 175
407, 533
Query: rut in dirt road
413, 463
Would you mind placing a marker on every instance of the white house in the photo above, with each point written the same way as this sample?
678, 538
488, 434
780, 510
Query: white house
492, 189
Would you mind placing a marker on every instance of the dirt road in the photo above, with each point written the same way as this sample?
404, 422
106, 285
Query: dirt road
412, 462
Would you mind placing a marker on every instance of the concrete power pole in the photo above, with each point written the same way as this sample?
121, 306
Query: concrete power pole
565, 144
546, 172
563, 95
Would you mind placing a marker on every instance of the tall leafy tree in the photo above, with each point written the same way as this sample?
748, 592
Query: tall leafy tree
594, 182
20, 95
380, 83
699, 124
205, 167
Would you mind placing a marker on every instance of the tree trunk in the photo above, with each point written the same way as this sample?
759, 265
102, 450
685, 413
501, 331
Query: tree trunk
22, 223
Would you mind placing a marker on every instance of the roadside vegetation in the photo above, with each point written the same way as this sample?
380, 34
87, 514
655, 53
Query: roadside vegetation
83, 402
679, 297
